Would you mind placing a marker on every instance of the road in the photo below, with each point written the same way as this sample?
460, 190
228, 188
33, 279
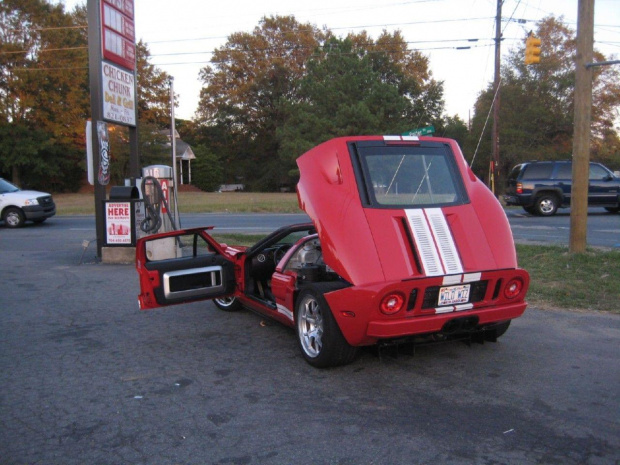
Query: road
89, 379
603, 228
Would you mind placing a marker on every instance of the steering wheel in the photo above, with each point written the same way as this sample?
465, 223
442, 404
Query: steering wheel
279, 253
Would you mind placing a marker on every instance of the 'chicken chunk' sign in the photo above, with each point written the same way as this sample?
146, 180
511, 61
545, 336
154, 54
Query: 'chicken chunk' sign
119, 103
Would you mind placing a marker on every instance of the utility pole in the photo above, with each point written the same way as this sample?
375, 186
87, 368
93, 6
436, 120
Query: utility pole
581, 124
494, 165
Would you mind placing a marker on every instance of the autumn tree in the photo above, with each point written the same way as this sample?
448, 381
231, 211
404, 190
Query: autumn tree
244, 87
278, 91
536, 113
43, 92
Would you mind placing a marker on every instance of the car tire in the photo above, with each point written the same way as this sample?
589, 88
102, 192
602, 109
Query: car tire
613, 209
546, 205
13, 217
228, 304
320, 339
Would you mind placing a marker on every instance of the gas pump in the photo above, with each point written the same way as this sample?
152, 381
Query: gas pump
158, 193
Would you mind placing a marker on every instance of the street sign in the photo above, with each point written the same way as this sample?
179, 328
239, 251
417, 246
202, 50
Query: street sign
427, 131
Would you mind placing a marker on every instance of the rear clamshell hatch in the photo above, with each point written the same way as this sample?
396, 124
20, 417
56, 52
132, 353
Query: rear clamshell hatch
379, 221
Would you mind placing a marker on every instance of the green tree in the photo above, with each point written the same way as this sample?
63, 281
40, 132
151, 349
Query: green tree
453, 127
356, 86
536, 111
272, 94
206, 169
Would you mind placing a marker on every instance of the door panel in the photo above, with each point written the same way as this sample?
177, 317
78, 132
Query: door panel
183, 266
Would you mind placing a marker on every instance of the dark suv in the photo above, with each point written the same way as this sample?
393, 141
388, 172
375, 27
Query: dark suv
541, 187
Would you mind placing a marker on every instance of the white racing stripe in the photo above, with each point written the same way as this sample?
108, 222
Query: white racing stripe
433, 238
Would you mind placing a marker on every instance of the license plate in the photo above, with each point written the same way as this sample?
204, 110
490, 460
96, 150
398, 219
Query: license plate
454, 295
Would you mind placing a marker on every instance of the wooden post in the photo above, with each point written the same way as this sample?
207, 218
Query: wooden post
581, 123
494, 172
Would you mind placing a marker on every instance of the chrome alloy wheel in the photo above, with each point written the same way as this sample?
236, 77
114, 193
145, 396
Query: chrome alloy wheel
225, 301
547, 206
310, 326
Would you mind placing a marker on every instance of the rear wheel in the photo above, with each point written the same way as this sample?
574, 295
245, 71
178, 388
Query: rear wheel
228, 304
320, 339
613, 209
13, 217
547, 204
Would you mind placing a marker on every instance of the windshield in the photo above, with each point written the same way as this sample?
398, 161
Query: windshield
410, 176
6, 187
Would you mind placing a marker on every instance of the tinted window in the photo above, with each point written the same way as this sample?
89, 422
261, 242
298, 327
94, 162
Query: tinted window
565, 171
410, 176
538, 171
515, 172
597, 172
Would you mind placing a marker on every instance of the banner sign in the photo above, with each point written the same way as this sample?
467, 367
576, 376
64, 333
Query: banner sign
104, 153
118, 222
119, 100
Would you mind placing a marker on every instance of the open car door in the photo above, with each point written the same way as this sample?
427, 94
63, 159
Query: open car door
182, 266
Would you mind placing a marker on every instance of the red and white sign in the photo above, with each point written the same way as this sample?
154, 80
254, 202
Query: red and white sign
119, 99
165, 188
118, 222
118, 32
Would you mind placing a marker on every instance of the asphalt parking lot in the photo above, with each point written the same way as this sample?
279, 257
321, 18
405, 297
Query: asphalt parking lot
89, 379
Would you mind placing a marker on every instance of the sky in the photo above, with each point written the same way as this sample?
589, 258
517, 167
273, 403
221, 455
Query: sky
182, 34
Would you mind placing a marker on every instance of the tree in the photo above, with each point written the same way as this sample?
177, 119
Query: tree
249, 78
280, 90
536, 111
43, 91
206, 169
153, 90
356, 86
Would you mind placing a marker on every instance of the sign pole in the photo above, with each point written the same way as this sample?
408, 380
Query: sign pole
96, 104
113, 92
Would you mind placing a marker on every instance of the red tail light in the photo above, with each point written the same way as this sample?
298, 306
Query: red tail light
513, 288
519, 188
392, 303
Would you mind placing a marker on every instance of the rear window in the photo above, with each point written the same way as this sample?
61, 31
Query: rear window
514, 174
408, 176
538, 171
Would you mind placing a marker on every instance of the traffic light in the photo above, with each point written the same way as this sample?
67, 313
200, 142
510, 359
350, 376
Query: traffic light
532, 50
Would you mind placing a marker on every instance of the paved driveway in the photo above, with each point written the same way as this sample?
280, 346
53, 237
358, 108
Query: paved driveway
88, 379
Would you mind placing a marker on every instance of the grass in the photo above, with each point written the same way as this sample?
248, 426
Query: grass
558, 279
572, 281
196, 202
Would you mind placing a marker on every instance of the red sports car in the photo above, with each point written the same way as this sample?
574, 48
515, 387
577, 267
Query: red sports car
405, 243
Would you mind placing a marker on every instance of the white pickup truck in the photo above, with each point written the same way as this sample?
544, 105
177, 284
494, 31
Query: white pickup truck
18, 206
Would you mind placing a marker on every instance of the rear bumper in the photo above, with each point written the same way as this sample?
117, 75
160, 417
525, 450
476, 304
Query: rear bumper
357, 309
435, 323
519, 201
